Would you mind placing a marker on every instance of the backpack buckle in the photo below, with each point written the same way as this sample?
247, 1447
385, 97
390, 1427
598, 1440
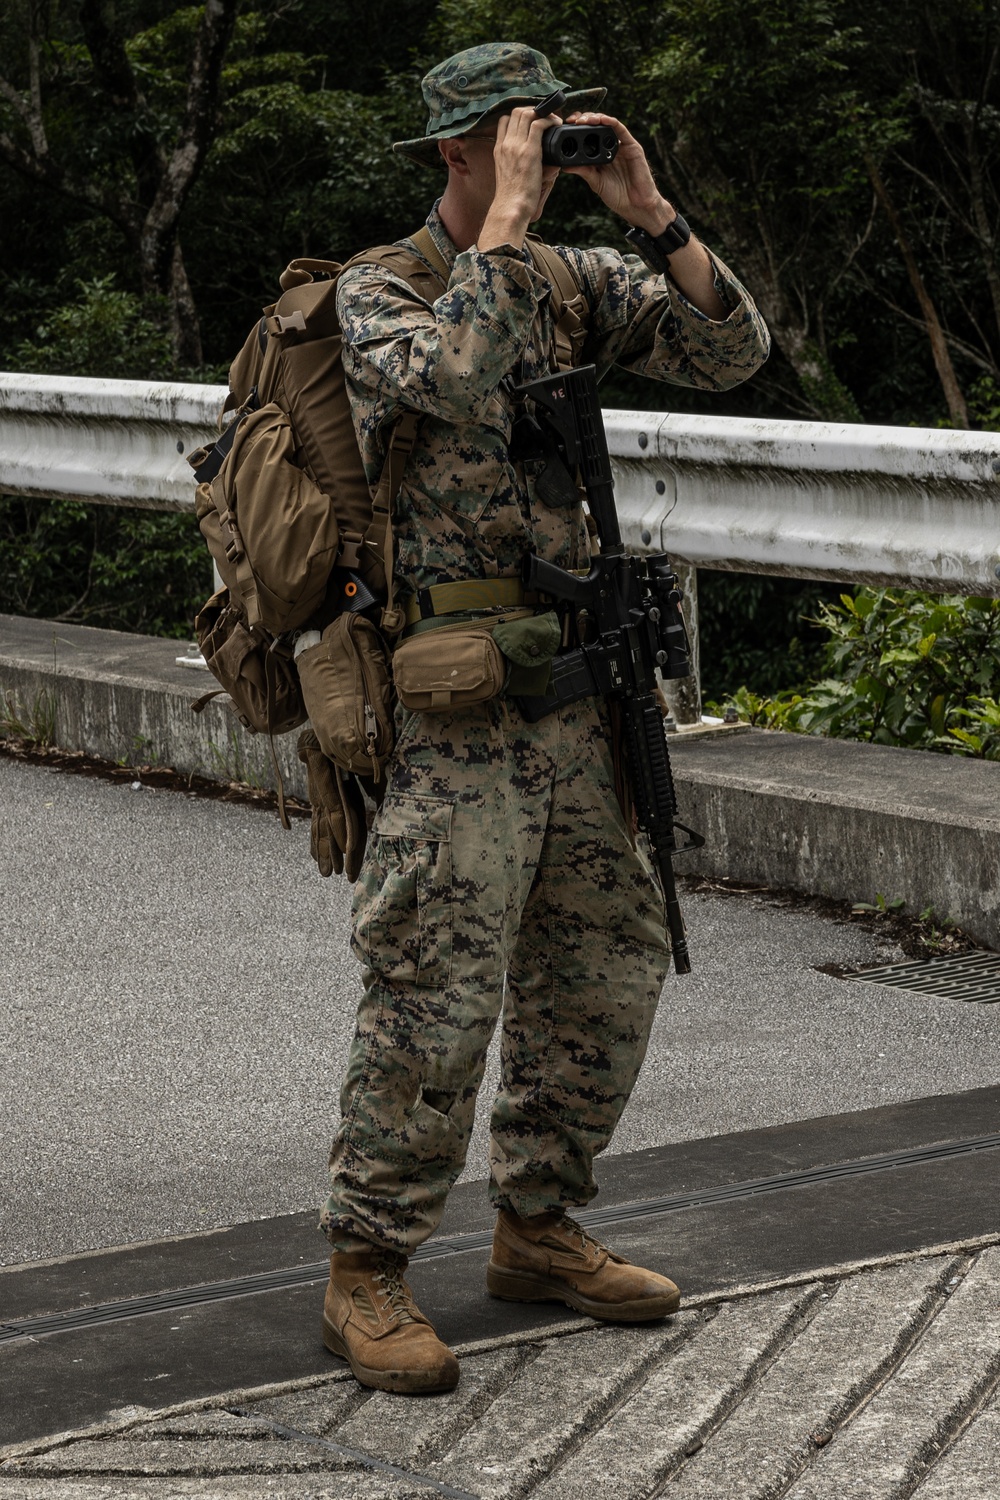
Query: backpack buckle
292, 321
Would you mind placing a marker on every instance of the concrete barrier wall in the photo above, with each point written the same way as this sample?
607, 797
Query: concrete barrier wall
827, 817
124, 698
847, 820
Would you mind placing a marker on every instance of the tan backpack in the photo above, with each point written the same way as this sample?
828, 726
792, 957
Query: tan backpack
285, 507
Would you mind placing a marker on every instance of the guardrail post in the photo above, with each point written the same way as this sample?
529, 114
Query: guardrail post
684, 693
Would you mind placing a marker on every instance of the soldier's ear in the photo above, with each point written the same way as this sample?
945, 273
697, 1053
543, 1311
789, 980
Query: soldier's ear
453, 154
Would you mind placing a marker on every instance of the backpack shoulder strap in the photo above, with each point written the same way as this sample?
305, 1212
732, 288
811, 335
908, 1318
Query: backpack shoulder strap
425, 244
427, 281
425, 274
571, 310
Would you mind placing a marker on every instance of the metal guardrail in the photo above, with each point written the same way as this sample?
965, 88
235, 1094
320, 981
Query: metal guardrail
910, 506
110, 442
903, 505
915, 507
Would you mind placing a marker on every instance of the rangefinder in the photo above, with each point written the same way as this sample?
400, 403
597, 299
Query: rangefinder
574, 145
579, 146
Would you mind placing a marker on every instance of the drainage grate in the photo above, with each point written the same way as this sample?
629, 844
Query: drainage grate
962, 976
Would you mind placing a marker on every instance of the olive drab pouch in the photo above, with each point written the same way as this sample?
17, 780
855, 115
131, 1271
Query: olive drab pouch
347, 693
529, 644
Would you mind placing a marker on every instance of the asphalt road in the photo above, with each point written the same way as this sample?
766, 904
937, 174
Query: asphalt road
177, 998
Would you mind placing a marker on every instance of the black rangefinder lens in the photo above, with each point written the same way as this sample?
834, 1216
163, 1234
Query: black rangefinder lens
579, 145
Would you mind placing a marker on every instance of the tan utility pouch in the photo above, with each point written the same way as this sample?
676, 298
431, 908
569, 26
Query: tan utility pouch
347, 693
254, 669
449, 668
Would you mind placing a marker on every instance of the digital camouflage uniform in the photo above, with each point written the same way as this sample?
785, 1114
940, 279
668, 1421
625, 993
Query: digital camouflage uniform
499, 876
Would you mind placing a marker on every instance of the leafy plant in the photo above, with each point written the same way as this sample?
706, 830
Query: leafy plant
102, 332
885, 907
109, 566
903, 668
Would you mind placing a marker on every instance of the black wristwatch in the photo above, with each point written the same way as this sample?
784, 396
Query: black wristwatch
656, 250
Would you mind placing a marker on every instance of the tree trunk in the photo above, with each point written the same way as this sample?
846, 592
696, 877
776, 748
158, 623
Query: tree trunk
185, 330
709, 196
957, 409
149, 210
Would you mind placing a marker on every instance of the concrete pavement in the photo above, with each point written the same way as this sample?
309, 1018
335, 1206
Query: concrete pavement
176, 1062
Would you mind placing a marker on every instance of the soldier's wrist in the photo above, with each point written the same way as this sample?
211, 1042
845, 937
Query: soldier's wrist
506, 223
499, 233
654, 218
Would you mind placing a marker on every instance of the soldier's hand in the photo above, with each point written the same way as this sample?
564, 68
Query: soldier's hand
339, 832
626, 184
522, 182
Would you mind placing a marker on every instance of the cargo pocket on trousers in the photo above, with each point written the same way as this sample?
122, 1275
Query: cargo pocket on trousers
414, 1135
403, 900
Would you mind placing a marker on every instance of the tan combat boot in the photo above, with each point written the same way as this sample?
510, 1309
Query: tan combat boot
551, 1259
371, 1320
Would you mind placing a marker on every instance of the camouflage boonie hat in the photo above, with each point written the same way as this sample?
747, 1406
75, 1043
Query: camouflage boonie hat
464, 89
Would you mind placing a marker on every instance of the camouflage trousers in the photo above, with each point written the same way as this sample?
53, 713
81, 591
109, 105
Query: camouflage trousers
499, 880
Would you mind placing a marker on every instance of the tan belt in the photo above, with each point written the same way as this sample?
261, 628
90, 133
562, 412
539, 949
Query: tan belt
467, 594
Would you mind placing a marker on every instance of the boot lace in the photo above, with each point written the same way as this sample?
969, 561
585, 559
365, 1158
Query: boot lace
388, 1278
585, 1239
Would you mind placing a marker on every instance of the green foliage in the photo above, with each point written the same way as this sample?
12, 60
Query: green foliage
885, 907
757, 631
120, 569
905, 668
104, 332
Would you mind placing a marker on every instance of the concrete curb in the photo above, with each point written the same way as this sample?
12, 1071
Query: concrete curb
127, 1418
847, 820
125, 698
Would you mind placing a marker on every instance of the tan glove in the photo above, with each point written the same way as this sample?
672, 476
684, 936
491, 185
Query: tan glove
339, 826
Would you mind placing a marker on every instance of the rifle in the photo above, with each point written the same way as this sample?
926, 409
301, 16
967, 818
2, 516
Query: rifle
633, 602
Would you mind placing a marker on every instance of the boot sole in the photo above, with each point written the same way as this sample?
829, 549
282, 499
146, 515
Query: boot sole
403, 1382
526, 1286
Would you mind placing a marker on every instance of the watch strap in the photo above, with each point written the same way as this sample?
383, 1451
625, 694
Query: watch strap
656, 250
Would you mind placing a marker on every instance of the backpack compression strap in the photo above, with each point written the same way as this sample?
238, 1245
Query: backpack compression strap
570, 305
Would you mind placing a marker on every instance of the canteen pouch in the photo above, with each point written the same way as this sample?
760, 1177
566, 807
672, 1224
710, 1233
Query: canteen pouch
255, 669
529, 644
348, 695
448, 668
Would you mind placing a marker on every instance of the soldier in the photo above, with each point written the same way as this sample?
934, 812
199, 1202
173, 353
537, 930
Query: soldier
500, 877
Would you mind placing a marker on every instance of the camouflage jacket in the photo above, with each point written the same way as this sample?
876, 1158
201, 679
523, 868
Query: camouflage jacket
464, 509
